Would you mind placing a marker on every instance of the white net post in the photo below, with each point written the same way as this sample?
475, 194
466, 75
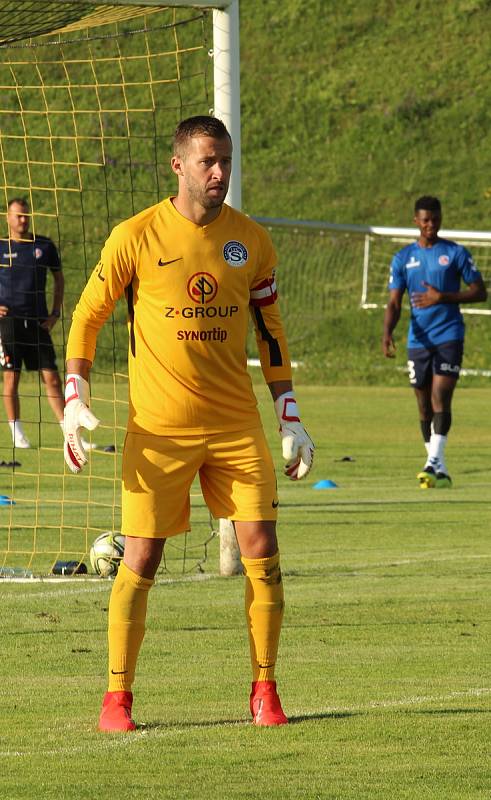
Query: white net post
226, 76
230, 563
226, 68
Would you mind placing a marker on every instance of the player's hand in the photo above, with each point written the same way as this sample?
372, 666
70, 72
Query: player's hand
297, 446
388, 346
4, 311
49, 323
77, 415
425, 299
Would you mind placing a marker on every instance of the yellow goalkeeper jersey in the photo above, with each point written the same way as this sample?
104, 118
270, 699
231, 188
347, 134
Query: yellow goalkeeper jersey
190, 290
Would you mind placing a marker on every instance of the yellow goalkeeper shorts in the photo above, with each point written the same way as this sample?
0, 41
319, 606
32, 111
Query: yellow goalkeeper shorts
236, 474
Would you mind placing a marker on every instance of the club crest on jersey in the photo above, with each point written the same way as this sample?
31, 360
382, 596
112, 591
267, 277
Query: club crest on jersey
235, 254
202, 287
444, 261
38, 252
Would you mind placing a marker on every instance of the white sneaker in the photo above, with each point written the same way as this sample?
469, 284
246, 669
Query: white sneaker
21, 442
88, 445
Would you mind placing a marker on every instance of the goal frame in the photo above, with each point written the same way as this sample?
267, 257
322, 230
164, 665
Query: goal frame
226, 106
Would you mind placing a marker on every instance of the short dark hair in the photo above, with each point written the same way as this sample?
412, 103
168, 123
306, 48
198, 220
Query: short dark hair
21, 201
198, 126
428, 203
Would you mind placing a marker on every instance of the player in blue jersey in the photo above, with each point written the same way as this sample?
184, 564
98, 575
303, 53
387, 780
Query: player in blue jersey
25, 322
431, 270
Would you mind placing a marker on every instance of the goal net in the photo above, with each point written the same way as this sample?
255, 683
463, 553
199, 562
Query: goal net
90, 94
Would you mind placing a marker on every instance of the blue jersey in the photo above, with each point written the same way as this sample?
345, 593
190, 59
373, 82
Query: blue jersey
23, 270
444, 266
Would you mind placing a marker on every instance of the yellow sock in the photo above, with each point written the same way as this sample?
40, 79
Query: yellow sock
127, 613
264, 613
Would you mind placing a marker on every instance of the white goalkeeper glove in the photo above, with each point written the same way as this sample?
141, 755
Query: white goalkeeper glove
77, 415
298, 448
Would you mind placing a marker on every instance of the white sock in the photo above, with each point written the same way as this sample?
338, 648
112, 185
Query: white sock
436, 453
427, 448
16, 428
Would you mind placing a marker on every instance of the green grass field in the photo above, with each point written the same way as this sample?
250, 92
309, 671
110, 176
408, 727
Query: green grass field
384, 658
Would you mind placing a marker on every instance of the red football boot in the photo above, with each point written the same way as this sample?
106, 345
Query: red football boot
265, 704
116, 712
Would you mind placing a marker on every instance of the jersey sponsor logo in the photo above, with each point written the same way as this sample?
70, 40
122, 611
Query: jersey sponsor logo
235, 254
413, 262
162, 263
202, 287
215, 335
444, 261
38, 252
200, 312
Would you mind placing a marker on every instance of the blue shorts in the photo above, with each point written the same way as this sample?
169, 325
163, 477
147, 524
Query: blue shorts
442, 359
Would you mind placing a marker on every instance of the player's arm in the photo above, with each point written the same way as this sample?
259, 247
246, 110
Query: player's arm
475, 292
106, 285
58, 292
297, 446
391, 318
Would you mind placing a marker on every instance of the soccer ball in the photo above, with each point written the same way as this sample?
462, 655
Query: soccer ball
106, 553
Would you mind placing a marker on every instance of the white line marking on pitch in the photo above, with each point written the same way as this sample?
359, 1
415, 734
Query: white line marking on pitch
91, 587
132, 739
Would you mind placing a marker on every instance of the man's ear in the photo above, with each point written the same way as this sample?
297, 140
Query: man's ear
176, 165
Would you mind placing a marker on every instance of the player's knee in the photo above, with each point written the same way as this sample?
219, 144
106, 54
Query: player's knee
51, 380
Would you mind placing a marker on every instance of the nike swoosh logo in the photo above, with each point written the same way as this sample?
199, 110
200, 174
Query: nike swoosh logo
166, 263
123, 672
275, 505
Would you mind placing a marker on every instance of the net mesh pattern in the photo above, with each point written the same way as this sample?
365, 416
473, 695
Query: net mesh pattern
87, 115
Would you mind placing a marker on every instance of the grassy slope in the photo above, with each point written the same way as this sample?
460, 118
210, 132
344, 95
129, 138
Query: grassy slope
353, 108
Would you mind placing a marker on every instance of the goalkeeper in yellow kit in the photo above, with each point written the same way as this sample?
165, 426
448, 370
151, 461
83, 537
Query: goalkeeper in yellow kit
192, 269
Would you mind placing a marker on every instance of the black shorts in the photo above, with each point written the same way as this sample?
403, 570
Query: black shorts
442, 359
24, 341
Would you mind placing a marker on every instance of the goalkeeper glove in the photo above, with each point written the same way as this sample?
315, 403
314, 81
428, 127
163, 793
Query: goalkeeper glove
298, 447
77, 415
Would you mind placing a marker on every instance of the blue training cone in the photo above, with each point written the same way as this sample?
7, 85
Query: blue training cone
325, 484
